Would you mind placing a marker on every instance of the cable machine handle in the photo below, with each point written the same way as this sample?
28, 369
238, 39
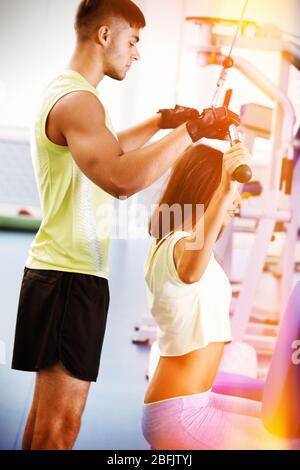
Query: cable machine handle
243, 173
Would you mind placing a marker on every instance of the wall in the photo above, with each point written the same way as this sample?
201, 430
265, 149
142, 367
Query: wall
37, 39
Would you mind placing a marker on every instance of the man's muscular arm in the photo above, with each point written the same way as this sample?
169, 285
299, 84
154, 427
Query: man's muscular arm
137, 136
80, 118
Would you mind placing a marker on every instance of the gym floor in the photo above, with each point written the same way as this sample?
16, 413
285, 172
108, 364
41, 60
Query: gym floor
112, 418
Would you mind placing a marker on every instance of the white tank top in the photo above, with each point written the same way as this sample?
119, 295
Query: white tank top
188, 316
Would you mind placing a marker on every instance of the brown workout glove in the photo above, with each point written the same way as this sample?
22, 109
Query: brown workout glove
172, 118
213, 123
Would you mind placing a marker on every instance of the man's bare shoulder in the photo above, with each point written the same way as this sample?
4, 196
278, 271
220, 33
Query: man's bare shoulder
80, 108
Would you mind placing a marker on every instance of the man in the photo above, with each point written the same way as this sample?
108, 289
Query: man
81, 164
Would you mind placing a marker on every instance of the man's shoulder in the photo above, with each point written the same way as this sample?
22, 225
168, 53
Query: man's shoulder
78, 106
82, 104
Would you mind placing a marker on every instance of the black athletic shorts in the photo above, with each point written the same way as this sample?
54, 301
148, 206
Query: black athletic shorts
61, 318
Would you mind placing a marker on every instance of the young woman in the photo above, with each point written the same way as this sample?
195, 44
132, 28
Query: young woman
189, 299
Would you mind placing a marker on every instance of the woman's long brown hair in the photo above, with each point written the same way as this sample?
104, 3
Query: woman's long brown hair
193, 181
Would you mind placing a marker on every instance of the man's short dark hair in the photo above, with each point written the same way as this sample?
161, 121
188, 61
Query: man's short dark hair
92, 14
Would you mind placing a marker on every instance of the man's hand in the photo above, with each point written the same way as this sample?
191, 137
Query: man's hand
213, 123
173, 118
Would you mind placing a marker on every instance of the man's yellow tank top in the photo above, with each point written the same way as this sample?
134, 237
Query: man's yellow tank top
75, 232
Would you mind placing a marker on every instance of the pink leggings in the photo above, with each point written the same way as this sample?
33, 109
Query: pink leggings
209, 421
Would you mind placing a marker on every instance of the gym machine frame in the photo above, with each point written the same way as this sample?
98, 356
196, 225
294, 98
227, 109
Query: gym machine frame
284, 177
